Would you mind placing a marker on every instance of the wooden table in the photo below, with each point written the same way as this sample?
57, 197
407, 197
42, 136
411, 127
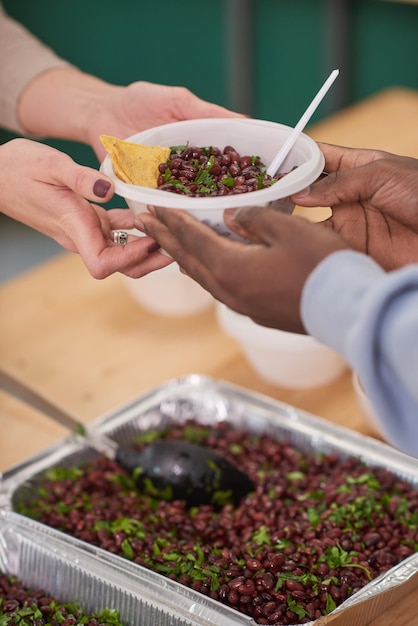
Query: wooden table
89, 347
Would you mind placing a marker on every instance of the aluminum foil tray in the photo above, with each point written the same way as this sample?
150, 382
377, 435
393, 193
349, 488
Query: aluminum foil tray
208, 401
43, 559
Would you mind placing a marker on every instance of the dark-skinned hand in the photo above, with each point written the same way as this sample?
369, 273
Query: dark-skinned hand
263, 280
373, 197
374, 200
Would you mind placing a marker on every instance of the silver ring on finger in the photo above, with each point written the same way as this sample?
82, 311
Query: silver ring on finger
120, 237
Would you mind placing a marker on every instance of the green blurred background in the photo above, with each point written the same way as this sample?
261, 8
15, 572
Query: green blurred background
263, 57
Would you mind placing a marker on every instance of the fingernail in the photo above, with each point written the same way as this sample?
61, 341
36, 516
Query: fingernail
139, 224
232, 213
100, 188
153, 247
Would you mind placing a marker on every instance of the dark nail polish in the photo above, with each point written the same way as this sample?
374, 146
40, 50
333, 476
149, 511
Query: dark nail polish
100, 188
153, 247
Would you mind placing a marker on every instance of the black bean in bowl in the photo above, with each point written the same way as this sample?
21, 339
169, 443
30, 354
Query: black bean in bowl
317, 528
22, 606
202, 172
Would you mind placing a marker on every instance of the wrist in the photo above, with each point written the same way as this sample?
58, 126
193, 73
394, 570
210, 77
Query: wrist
63, 103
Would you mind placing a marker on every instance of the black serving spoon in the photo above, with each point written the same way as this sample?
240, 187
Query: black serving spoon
168, 469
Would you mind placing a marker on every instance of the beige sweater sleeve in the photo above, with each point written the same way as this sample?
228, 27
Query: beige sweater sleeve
22, 58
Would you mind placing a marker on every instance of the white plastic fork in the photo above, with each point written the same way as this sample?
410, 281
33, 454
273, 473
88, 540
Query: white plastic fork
274, 166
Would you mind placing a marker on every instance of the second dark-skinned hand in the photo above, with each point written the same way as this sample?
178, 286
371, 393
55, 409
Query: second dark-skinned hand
263, 280
374, 200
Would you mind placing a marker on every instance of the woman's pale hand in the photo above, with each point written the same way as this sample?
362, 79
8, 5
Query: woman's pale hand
124, 111
66, 103
46, 190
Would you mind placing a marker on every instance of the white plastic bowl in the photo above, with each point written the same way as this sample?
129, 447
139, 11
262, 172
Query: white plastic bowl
282, 358
248, 137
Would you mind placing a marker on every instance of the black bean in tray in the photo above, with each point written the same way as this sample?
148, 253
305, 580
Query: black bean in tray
21, 606
195, 171
317, 528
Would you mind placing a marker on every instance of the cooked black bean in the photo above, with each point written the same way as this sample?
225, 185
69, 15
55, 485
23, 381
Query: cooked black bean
200, 172
316, 529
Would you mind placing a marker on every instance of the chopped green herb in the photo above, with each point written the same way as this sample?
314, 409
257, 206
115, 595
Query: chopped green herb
220, 498
236, 448
260, 179
262, 536
368, 479
178, 149
127, 549
154, 492
295, 607
80, 430
336, 556
131, 527
64, 473
295, 475
180, 185
228, 181
149, 436
281, 544
314, 515
330, 604
196, 434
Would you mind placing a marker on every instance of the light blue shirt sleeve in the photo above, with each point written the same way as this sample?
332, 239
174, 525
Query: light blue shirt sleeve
370, 317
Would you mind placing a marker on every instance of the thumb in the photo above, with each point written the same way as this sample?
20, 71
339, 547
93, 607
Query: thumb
257, 223
85, 181
195, 107
339, 187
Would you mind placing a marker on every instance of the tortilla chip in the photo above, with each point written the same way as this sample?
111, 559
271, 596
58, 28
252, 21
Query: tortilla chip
134, 163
